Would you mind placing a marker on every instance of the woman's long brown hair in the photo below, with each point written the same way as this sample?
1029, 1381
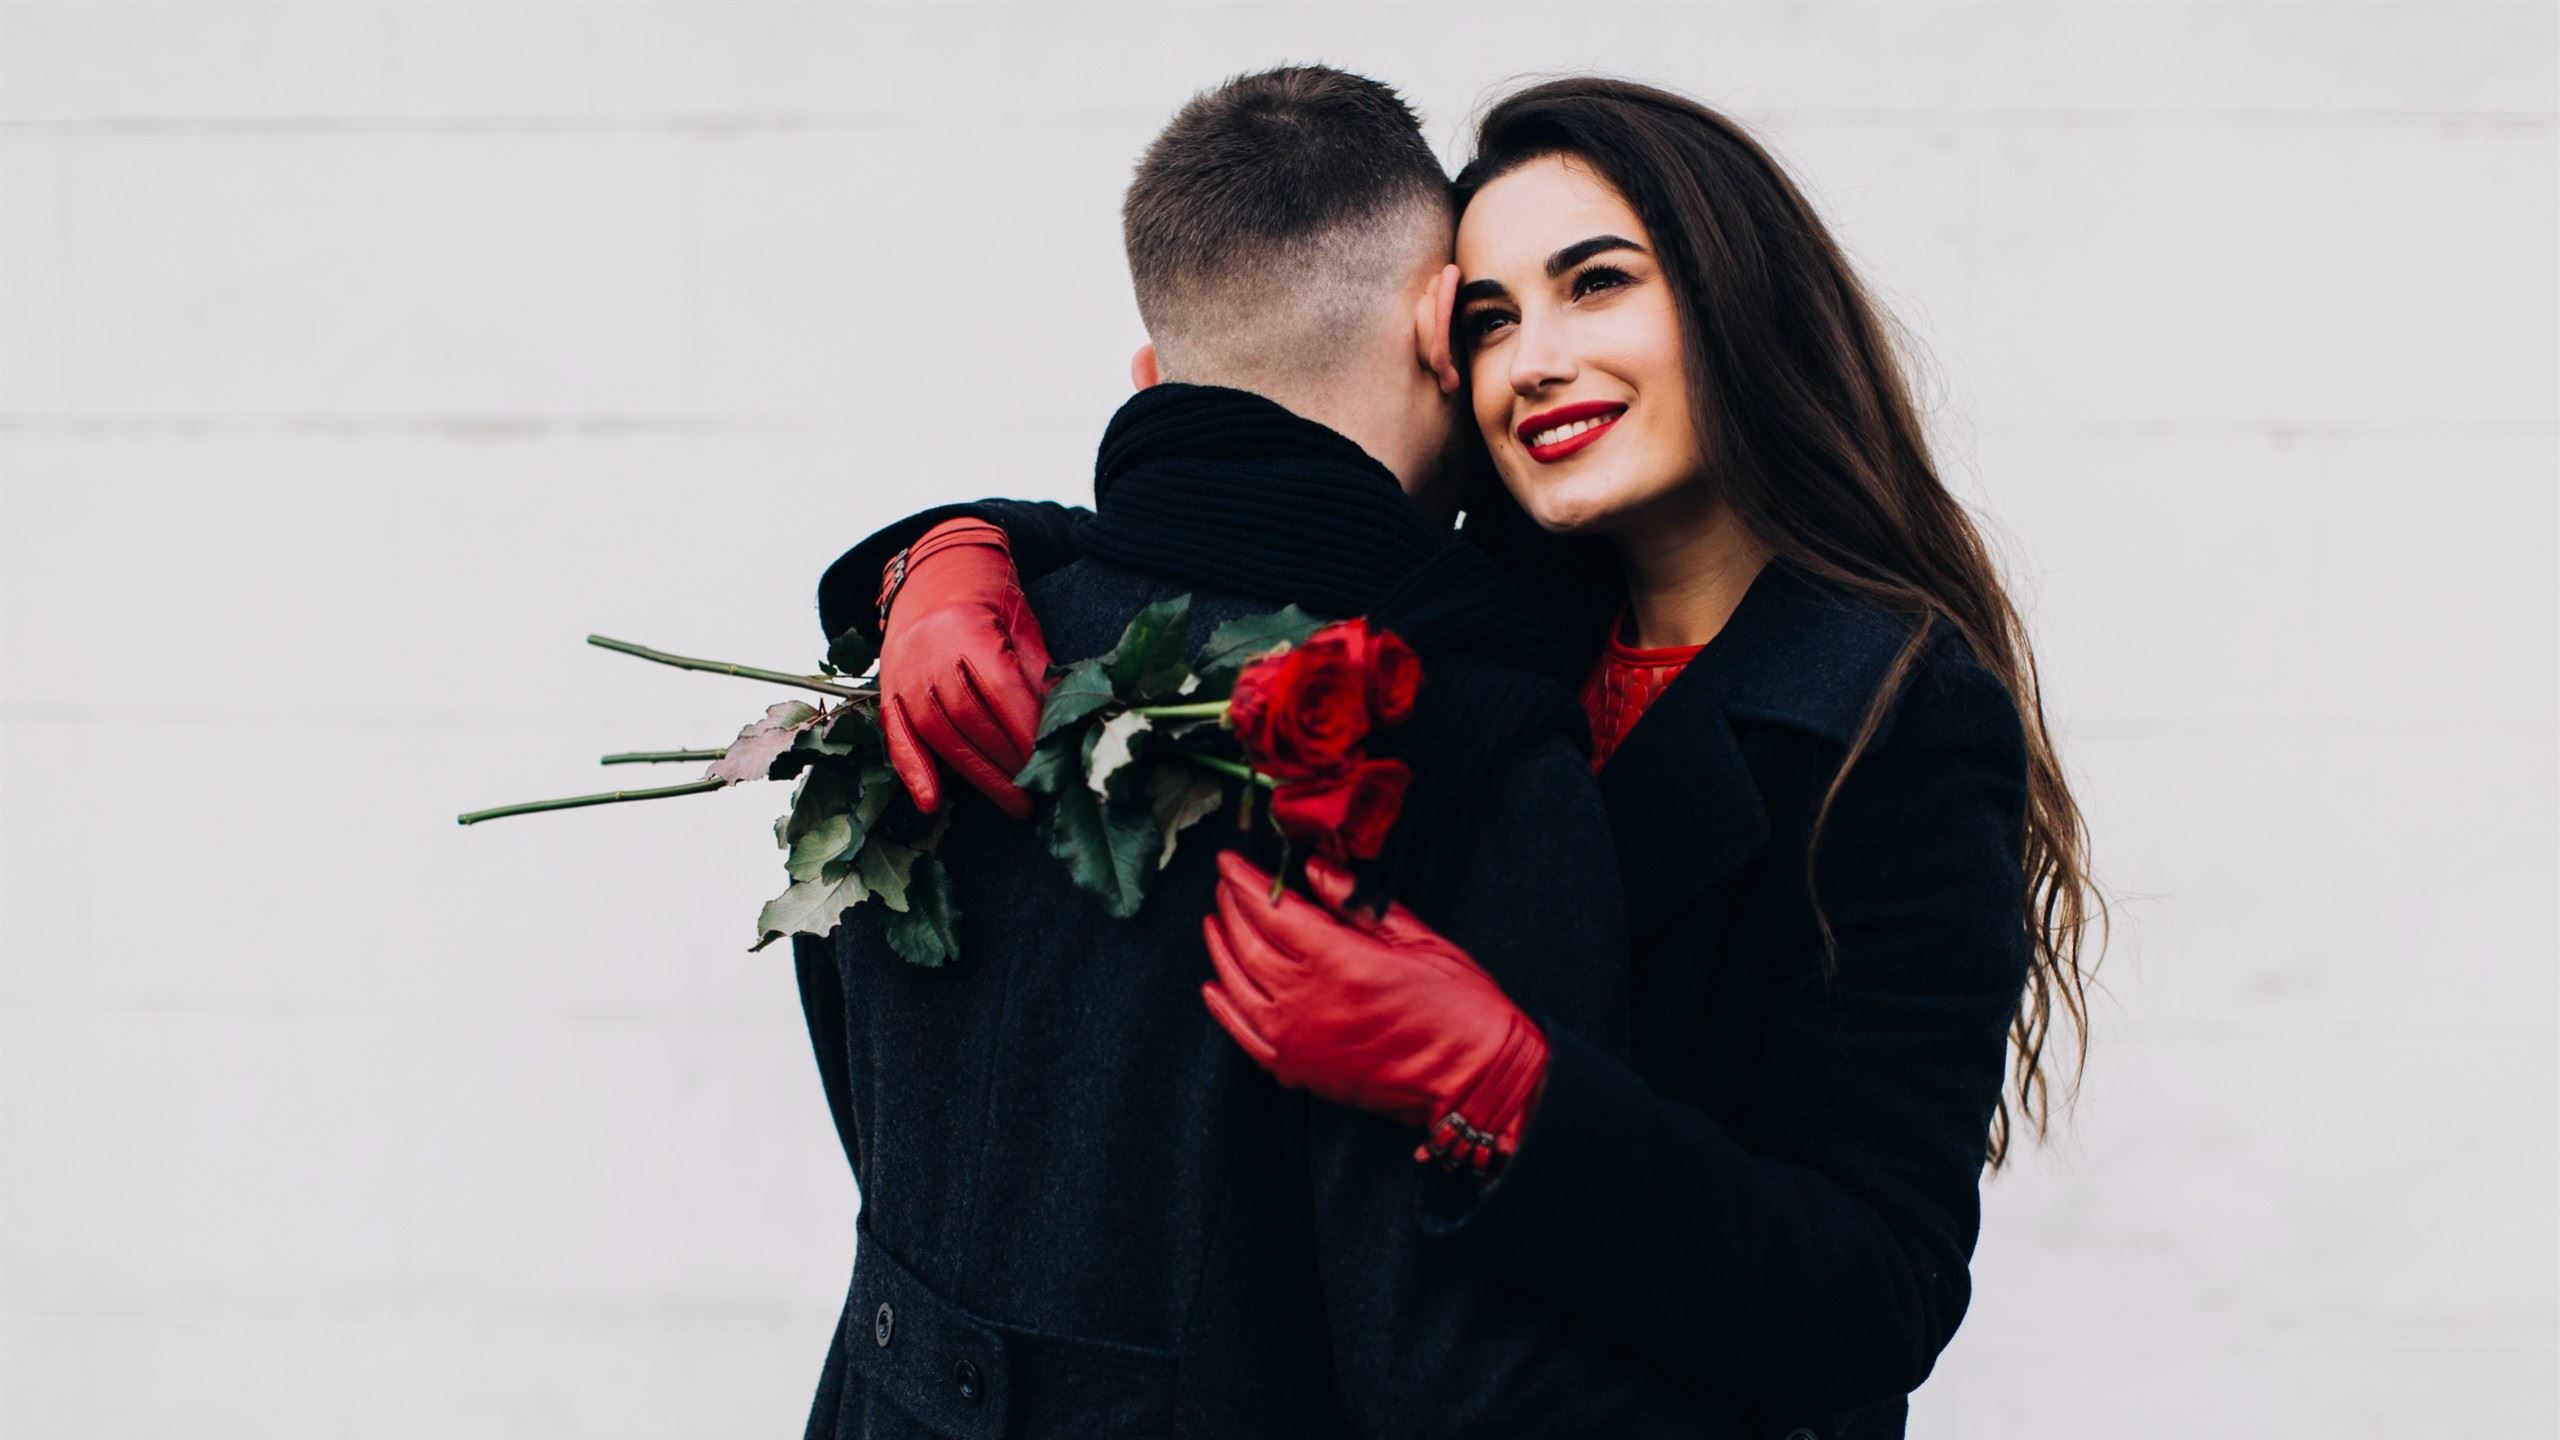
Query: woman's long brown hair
1815, 444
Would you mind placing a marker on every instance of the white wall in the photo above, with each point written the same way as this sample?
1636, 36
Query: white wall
359, 359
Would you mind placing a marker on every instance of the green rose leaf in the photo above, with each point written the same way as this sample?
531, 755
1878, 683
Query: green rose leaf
1110, 852
816, 740
884, 867
927, 932
880, 789
828, 789
1147, 663
856, 729
1083, 689
852, 733
809, 907
825, 841
1248, 638
1053, 764
852, 652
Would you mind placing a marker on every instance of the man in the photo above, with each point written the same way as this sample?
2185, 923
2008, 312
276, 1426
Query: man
1084, 1210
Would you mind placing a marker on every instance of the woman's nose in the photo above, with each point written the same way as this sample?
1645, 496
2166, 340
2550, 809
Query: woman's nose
1538, 361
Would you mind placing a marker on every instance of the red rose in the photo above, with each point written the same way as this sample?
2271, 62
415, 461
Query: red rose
1346, 815
1395, 673
1304, 712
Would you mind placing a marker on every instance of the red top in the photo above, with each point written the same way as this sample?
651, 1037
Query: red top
1623, 683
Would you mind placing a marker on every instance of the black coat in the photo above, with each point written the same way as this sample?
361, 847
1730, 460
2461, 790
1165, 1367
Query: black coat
1778, 1197
1086, 1212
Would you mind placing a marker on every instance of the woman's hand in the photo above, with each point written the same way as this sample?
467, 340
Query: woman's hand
963, 666
1378, 1013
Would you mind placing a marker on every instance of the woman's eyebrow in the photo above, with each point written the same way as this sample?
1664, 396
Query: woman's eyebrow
1581, 250
1558, 263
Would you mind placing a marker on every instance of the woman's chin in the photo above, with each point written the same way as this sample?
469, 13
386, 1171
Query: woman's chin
1561, 511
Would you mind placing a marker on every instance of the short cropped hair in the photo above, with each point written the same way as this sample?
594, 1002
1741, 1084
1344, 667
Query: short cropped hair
1274, 213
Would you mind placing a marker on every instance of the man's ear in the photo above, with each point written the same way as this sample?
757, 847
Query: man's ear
1431, 317
1142, 368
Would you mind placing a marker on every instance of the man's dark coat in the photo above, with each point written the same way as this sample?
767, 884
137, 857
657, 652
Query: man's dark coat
1086, 1212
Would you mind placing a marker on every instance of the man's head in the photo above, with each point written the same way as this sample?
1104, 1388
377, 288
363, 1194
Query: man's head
1289, 234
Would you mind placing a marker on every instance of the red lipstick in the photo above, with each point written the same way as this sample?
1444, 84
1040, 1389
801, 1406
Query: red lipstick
1604, 411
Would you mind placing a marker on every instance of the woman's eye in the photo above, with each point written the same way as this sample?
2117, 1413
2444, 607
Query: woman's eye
1600, 277
1477, 324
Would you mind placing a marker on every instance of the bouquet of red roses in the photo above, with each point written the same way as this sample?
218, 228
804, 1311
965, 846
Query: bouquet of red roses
1130, 752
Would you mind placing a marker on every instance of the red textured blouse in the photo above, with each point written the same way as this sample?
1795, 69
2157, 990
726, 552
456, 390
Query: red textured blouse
1623, 683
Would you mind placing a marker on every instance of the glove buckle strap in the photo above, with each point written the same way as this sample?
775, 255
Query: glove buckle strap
891, 578
1454, 1142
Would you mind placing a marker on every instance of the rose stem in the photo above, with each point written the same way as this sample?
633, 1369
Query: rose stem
1199, 709
613, 797
654, 757
723, 667
1226, 767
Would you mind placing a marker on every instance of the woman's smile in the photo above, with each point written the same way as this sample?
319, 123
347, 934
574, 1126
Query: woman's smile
1566, 430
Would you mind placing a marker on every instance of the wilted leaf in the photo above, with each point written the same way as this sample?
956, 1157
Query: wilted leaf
927, 932
1083, 689
751, 755
1147, 662
1112, 751
1182, 795
1247, 638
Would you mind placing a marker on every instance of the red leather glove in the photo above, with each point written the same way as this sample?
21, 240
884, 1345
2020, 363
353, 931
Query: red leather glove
963, 667
1377, 1013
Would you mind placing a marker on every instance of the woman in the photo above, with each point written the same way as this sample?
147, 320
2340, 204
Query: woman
1855, 874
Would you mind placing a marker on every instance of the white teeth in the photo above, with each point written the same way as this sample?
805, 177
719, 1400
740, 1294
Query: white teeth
1567, 432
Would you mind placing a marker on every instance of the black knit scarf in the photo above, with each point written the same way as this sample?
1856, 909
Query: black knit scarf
1228, 491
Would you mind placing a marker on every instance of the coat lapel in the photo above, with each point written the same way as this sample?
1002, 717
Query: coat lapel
1683, 801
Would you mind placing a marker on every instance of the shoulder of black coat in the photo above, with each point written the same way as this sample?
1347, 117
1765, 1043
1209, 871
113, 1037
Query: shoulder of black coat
1812, 657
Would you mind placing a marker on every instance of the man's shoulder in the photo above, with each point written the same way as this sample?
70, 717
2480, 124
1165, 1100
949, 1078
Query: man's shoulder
1084, 606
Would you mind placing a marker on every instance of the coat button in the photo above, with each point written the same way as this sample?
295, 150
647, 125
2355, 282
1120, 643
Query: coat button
970, 1382
880, 1324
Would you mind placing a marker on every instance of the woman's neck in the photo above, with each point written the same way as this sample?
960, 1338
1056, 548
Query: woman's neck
1685, 579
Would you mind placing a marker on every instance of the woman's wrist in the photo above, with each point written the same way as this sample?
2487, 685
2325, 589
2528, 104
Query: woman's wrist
949, 535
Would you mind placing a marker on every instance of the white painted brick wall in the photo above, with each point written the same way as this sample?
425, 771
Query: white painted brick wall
358, 359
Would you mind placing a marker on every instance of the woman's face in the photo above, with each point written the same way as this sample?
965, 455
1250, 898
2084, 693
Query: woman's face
1570, 341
